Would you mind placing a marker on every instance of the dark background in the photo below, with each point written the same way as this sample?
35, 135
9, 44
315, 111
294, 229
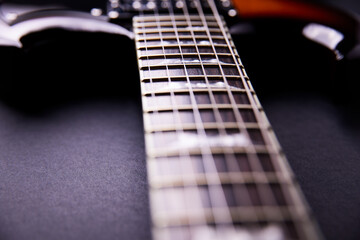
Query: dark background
74, 168
352, 5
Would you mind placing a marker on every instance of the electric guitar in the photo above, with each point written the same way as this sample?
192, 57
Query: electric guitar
215, 169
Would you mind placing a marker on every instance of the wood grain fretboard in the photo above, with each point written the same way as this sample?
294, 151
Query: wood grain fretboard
215, 168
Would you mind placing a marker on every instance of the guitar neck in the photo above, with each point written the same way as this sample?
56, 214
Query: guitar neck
215, 168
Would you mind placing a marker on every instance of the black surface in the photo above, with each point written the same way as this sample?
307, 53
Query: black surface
83, 5
75, 172
324, 151
72, 165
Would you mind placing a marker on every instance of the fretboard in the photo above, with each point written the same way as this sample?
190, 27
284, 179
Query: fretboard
215, 168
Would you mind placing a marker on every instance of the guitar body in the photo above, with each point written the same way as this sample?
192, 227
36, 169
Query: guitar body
272, 32
72, 162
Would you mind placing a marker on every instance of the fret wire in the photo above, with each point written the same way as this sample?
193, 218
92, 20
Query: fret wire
175, 65
187, 45
223, 47
181, 91
147, 92
226, 178
212, 27
168, 23
243, 214
200, 106
175, 55
184, 154
207, 126
157, 79
167, 16
184, 34
219, 188
197, 151
183, 37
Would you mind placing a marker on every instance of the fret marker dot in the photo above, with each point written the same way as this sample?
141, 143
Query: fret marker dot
225, 3
96, 12
136, 5
113, 14
179, 4
232, 13
151, 5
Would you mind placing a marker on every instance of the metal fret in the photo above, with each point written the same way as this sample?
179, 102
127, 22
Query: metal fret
184, 39
160, 50
169, 18
183, 33
207, 126
181, 25
169, 23
176, 66
240, 163
246, 215
192, 71
219, 92
225, 178
179, 84
189, 60
184, 107
169, 152
207, 136
161, 88
165, 120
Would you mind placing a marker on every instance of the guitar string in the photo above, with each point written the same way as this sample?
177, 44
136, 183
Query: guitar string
215, 189
256, 161
219, 122
204, 71
270, 144
197, 118
220, 23
229, 153
264, 191
175, 28
253, 158
184, 154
